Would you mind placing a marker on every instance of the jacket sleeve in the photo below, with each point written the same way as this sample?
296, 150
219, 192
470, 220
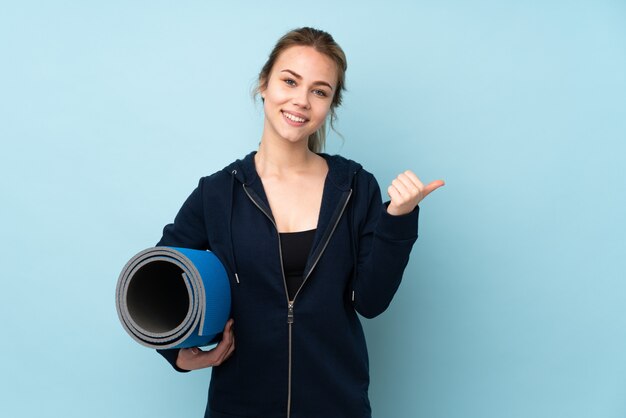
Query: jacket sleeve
384, 245
187, 231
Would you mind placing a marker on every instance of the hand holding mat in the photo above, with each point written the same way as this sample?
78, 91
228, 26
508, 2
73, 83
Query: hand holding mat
169, 297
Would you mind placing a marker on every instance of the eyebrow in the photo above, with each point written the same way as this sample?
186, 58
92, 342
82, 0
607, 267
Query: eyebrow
299, 77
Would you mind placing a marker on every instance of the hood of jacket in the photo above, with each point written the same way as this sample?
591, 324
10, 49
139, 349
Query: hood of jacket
341, 171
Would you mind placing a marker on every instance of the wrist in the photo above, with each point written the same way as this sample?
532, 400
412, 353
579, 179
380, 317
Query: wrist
396, 211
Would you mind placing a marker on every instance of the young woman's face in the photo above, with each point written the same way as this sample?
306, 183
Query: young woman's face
299, 93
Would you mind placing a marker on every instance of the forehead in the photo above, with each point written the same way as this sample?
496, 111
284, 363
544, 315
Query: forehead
308, 63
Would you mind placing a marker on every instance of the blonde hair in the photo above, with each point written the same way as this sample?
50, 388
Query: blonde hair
323, 43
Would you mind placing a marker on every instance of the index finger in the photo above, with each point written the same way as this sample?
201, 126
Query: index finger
411, 175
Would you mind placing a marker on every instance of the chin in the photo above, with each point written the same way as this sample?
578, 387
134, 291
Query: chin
295, 139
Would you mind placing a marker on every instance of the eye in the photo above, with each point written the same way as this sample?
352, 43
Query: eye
320, 93
290, 82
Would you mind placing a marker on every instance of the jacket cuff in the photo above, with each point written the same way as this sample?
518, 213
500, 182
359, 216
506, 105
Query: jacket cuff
398, 227
171, 355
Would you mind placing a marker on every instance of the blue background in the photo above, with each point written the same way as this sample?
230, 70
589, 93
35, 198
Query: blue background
513, 302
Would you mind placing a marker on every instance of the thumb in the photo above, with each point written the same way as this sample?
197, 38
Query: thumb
432, 186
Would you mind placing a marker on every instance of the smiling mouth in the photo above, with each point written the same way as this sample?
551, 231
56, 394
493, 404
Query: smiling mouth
293, 118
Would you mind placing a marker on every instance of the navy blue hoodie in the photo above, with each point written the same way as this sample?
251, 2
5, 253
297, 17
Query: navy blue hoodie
306, 358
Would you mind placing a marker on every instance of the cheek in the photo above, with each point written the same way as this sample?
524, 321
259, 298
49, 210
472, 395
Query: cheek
275, 94
323, 111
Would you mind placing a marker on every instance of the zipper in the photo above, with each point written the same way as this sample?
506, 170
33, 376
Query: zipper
290, 313
290, 303
289, 324
321, 252
280, 251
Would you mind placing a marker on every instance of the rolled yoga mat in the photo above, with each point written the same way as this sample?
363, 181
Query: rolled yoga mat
169, 297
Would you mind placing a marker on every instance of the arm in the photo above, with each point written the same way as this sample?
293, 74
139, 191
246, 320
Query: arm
385, 242
189, 231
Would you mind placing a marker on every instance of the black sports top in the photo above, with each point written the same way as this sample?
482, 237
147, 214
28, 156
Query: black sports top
295, 247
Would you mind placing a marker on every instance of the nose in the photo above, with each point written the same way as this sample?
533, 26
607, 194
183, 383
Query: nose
301, 98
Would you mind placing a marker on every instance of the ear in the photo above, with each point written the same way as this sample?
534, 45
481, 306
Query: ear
262, 88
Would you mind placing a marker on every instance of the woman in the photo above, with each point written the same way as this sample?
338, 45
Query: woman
308, 244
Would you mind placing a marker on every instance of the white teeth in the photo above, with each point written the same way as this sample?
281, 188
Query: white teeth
293, 118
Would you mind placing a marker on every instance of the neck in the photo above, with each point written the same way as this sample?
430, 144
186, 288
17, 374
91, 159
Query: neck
276, 158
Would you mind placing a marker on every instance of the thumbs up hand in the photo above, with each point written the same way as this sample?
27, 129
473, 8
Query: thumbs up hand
406, 191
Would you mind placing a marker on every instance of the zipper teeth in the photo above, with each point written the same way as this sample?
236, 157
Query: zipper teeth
289, 378
280, 251
289, 303
325, 245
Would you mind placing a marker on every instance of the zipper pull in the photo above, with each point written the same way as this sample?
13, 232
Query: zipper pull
290, 313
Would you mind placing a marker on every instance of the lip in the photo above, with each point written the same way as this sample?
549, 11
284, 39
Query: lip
296, 114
